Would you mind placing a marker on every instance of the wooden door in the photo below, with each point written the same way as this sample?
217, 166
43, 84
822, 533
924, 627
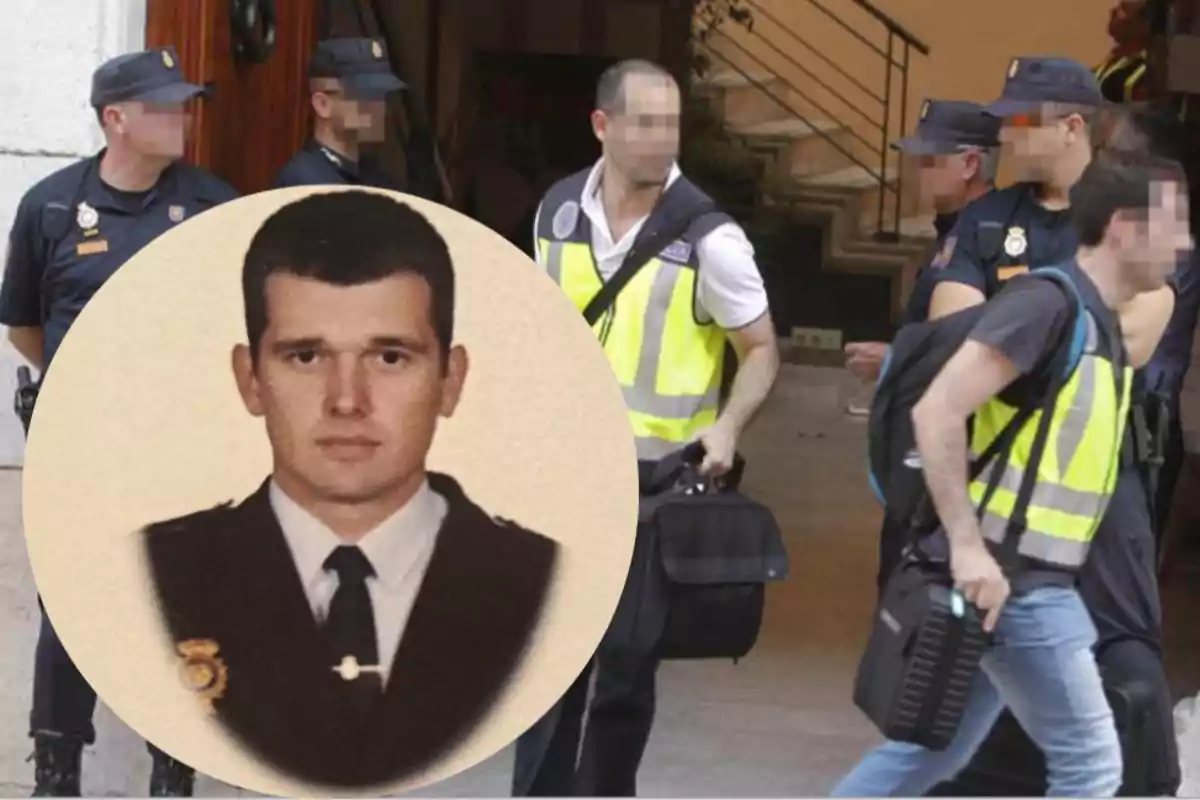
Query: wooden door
259, 114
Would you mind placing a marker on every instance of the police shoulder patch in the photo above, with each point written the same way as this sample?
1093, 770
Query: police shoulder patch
678, 251
565, 220
942, 259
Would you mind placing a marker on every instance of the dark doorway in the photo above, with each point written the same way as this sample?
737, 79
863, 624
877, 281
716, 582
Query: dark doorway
530, 126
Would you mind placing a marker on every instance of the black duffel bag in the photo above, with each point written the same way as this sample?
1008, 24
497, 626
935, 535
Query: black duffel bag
718, 549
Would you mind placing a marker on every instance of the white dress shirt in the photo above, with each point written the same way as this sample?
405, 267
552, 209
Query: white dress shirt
399, 549
730, 290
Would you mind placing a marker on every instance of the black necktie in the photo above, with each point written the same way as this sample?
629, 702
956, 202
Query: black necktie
350, 627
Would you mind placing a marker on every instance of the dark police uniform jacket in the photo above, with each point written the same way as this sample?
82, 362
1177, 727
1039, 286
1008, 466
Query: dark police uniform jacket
317, 165
1002, 234
225, 580
72, 232
917, 308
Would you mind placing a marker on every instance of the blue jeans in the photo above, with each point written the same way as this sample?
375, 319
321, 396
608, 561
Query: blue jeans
1041, 666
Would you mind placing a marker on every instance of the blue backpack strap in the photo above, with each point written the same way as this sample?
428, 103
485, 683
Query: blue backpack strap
1079, 335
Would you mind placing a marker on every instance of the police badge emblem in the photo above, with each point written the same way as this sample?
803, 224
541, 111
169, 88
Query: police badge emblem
376, 49
175, 213
1015, 242
203, 672
168, 62
86, 216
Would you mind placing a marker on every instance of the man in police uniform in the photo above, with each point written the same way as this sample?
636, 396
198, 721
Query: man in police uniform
666, 337
954, 149
350, 80
72, 231
1018, 560
1050, 107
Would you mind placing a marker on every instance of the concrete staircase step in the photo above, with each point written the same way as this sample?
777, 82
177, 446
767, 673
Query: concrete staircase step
732, 79
853, 177
786, 129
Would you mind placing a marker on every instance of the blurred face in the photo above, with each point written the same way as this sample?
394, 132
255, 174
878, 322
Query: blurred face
1038, 141
350, 382
944, 180
1150, 245
358, 119
641, 139
152, 130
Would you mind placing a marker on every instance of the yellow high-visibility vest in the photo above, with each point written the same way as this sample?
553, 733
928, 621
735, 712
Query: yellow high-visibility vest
1120, 78
668, 362
1078, 468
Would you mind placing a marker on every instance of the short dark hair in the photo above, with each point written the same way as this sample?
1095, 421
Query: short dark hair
1116, 181
610, 90
348, 238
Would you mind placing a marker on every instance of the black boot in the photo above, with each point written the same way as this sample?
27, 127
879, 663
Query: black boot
57, 764
170, 777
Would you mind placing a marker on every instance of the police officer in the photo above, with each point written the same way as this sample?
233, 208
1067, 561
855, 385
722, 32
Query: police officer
71, 232
954, 149
350, 80
1049, 107
666, 337
1123, 74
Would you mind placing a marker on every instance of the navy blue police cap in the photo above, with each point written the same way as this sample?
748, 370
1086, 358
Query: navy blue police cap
361, 65
1034, 81
148, 76
947, 126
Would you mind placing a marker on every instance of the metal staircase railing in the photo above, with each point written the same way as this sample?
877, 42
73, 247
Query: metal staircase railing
875, 107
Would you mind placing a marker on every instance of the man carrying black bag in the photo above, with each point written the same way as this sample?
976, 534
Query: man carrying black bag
668, 283
1024, 524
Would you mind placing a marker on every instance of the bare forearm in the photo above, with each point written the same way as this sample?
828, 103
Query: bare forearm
29, 343
941, 441
751, 385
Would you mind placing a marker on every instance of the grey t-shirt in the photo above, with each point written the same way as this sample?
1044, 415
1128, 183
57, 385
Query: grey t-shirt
1024, 322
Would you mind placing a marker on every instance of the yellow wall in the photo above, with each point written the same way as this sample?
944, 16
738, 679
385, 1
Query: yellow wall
972, 43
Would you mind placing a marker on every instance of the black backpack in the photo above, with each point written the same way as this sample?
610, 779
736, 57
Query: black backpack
917, 355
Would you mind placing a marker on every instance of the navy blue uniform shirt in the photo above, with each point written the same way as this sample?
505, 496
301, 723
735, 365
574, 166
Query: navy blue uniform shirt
1169, 365
1025, 235
72, 232
317, 165
917, 308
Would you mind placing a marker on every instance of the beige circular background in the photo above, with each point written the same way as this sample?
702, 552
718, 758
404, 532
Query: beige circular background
139, 420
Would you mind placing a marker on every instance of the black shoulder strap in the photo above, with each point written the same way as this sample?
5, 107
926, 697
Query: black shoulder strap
1000, 448
654, 236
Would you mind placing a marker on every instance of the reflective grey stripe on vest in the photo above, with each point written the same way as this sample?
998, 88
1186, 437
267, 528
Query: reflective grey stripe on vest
1040, 544
643, 397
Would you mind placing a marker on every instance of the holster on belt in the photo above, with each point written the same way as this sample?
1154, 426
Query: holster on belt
1149, 419
25, 397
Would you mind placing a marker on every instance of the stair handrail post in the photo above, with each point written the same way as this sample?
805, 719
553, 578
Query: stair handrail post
903, 132
883, 149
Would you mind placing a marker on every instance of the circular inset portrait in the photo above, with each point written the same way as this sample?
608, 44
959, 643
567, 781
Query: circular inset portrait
330, 490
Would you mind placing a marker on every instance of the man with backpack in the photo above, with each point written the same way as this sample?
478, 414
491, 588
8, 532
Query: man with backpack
1051, 129
1037, 380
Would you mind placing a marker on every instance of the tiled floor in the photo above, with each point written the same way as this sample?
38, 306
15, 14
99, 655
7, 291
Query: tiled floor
778, 724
